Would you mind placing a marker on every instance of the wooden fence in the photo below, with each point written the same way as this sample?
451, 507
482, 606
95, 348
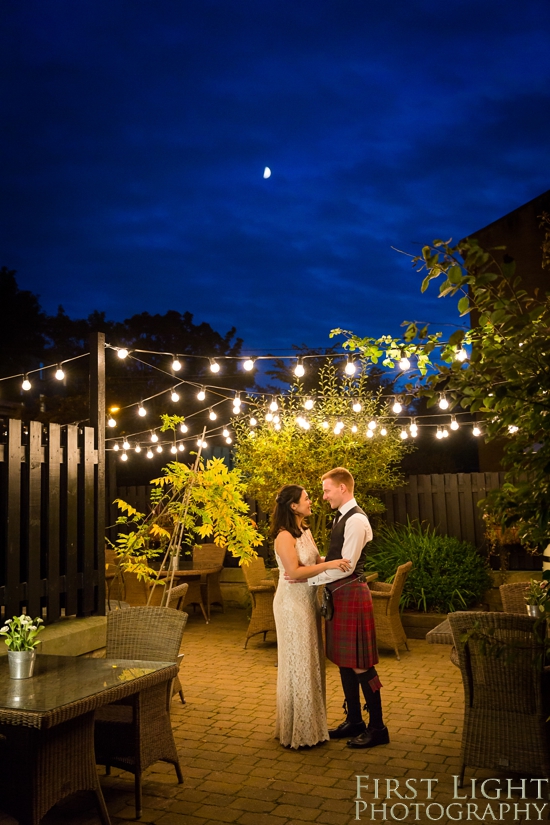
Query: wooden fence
51, 521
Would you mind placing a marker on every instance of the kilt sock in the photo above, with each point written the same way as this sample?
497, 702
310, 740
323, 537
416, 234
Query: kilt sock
370, 685
350, 686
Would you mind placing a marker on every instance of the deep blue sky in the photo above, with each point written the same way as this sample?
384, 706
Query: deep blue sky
135, 133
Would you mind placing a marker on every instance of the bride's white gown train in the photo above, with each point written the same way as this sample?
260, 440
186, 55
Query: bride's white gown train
301, 705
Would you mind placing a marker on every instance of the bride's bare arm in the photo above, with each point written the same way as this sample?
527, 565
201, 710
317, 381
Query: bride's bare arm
286, 550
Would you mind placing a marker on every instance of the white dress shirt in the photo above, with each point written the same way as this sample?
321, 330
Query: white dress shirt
357, 532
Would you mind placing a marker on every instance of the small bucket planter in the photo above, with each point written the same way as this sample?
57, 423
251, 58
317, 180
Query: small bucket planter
21, 663
20, 634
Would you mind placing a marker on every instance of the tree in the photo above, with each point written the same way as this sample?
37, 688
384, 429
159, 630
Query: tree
507, 378
296, 446
22, 326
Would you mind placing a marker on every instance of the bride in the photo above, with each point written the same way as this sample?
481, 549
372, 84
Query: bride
301, 711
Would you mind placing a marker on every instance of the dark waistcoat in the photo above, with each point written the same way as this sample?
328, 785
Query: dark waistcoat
337, 541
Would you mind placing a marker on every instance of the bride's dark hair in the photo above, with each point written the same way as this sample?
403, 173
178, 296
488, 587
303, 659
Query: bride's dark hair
283, 517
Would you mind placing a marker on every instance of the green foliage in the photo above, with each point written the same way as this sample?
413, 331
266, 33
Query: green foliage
269, 457
21, 632
206, 504
507, 378
447, 574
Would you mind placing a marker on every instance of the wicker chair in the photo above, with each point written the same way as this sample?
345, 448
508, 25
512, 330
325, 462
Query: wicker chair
505, 697
210, 555
137, 733
387, 618
262, 591
512, 597
136, 591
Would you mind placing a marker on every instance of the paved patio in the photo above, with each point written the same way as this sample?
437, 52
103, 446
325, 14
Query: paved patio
235, 772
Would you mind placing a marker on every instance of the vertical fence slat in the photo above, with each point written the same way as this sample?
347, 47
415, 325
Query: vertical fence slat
71, 506
54, 456
438, 487
452, 505
413, 503
33, 517
467, 515
87, 526
13, 525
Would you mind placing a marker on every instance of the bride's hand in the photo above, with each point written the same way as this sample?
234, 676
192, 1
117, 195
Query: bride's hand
339, 564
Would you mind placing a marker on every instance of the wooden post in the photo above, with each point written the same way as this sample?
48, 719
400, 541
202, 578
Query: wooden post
97, 421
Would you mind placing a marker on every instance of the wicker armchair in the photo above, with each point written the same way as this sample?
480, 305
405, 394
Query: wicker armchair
512, 597
137, 733
136, 591
505, 698
208, 555
387, 618
262, 591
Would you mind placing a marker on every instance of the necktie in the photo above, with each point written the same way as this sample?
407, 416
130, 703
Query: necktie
336, 517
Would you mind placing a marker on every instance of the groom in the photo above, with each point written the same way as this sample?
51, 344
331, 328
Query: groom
351, 640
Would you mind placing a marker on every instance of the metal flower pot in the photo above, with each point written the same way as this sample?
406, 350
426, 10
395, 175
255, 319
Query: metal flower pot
534, 611
21, 663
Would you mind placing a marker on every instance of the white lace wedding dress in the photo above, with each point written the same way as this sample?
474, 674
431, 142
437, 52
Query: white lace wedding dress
301, 706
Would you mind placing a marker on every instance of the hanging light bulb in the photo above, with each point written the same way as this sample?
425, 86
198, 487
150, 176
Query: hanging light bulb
325, 425
248, 364
159, 448
397, 406
349, 369
124, 457
253, 422
183, 428
372, 425
476, 431
137, 448
309, 403
125, 444
237, 401
201, 395
357, 406
443, 403
26, 385
173, 449
383, 431
354, 428
59, 374
122, 353
225, 432
404, 363
439, 433
214, 366
299, 370
252, 434
181, 447
276, 419
116, 448
454, 423
175, 396
404, 434
212, 415
229, 440
176, 364
111, 422
142, 411
370, 434
413, 429
277, 425
154, 437
202, 444
461, 354
274, 406
269, 416
445, 432
149, 453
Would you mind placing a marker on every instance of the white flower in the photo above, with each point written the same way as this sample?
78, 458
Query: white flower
32, 627
4, 629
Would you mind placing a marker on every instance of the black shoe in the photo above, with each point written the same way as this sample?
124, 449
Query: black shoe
370, 739
347, 729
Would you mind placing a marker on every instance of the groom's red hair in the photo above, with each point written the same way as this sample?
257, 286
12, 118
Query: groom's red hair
340, 476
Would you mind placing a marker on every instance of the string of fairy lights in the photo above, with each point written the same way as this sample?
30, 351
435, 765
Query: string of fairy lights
254, 408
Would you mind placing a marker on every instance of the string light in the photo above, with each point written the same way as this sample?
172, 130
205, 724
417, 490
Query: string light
404, 434
476, 431
214, 366
124, 457
159, 448
181, 447
383, 431
248, 364
269, 416
149, 453
413, 428
443, 403
299, 371
237, 400
201, 443
122, 353
111, 422
357, 406
141, 410
225, 432
274, 406
404, 363
125, 444
461, 354
183, 428
229, 440
325, 425
212, 415
26, 385
349, 369
173, 449
372, 425
445, 432
454, 423
439, 433
309, 403
137, 448
397, 406
354, 428
176, 364
253, 422
276, 419
201, 395
277, 425
370, 434
116, 448
175, 396
59, 374
154, 437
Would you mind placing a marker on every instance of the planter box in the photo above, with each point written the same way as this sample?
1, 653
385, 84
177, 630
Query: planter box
416, 625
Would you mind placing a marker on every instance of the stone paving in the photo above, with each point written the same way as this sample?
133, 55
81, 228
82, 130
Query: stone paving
236, 772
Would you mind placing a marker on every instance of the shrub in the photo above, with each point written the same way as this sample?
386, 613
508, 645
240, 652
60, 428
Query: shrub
447, 575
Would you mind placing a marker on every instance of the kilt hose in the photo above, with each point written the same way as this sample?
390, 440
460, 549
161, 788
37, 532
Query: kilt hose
350, 635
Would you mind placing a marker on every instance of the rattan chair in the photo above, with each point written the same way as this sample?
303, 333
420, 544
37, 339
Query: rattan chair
512, 597
137, 733
505, 697
210, 555
387, 618
136, 591
262, 591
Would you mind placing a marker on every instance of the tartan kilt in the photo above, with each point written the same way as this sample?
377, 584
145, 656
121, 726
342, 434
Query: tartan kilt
350, 635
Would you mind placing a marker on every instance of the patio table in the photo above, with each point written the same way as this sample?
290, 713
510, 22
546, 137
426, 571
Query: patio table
442, 635
47, 727
191, 571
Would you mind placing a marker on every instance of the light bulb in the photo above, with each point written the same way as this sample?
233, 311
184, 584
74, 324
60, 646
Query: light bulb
370, 434
252, 434
116, 448
461, 354
154, 437
454, 424
111, 422
253, 422
337, 430
201, 395
122, 353
349, 369
236, 410
404, 364
372, 425
173, 449
383, 431
229, 440
357, 407
142, 411
269, 416
174, 396
413, 429
225, 432
181, 447
274, 406
124, 457
237, 401
59, 374
159, 448
309, 403
125, 444
445, 432
404, 434
137, 448
397, 407
325, 425
299, 371
176, 364
276, 419
214, 366
212, 415
183, 428
354, 428
26, 385
277, 425
248, 364
443, 403
149, 453
438, 433
476, 431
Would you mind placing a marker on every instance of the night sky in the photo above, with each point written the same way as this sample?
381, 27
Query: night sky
135, 135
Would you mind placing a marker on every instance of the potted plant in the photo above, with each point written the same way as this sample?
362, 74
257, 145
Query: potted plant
536, 597
21, 638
